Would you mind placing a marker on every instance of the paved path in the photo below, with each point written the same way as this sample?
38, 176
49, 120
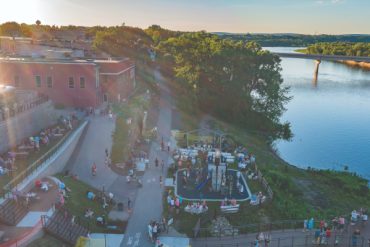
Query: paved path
92, 149
148, 204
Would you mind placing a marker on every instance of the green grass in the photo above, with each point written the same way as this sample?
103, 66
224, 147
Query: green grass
77, 203
304, 50
134, 109
47, 241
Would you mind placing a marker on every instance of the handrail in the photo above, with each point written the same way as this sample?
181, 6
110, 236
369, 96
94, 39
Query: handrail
283, 225
12, 184
83, 223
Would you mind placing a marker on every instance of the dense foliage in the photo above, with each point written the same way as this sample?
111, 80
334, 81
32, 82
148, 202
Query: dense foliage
236, 81
295, 39
123, 41
340, 48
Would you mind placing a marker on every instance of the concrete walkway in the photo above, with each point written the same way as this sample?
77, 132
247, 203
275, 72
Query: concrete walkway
148, 205
92, 149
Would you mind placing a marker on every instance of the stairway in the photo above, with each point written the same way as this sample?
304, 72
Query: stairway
11, 212
60, 226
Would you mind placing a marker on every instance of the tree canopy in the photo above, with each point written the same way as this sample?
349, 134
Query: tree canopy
234, 80
123, 41
340, 48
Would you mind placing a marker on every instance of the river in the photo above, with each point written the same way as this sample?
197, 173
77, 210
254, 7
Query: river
330, 121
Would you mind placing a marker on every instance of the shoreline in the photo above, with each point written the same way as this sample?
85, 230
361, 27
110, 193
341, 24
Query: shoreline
363, 65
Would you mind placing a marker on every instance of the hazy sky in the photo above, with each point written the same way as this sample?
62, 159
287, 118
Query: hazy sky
299, 16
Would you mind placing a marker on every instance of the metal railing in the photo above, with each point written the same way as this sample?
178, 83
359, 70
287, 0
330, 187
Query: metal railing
64, 230
278, 226
36, 165
308, 240
282, 233
21, 107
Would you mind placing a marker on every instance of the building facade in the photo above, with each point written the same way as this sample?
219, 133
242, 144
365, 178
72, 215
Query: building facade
73, 83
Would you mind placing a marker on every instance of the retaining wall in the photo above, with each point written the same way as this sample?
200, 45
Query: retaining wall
25, 124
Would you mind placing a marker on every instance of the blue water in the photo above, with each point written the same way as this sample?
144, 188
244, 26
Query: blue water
330, 121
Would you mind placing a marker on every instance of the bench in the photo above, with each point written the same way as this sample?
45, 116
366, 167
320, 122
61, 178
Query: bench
230, 209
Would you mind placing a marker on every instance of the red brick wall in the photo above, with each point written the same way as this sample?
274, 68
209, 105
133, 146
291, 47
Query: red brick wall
114, 85
60, 73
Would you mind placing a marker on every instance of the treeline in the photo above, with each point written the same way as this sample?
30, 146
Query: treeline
340, 48
294, 40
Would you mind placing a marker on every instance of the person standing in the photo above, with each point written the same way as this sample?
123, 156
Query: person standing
164, 225
156, 162
150, 231
155, 231
162, 165
168, 146
160, 181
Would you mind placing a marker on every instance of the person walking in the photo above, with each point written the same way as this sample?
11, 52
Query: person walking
162, 144
160, 181
129, 204
156, 162
93, 169
168, 146
162, 165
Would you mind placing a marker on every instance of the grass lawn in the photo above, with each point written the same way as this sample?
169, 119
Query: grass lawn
77, 203
23, 162
47, 241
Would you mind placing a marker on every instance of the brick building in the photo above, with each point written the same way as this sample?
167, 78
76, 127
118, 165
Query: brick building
77, 83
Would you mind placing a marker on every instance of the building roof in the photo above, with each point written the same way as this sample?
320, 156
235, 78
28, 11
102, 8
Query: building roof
106, 66
114, 67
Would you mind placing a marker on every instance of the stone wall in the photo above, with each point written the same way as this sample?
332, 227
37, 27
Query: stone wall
26, 124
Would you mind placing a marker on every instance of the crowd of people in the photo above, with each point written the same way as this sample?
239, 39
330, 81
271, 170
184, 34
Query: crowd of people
155, 228
196, 207
174, 202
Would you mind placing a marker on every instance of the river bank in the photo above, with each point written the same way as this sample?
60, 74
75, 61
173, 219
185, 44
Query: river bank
362, 65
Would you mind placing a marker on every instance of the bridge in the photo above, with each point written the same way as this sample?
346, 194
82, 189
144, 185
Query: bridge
323, 57
318, 58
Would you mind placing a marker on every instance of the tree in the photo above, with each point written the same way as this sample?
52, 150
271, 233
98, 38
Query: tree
234, 80
38, 22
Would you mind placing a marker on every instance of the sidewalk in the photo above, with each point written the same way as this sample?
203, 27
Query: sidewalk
148, 204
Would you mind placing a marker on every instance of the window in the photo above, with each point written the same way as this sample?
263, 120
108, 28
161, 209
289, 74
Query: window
38, 81
71, 82
82, 82
16, 81
49, 82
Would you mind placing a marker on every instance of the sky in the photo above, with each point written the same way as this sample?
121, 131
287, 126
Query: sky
237, 16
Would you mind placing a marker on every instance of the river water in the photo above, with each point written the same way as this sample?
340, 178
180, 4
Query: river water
331, 120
